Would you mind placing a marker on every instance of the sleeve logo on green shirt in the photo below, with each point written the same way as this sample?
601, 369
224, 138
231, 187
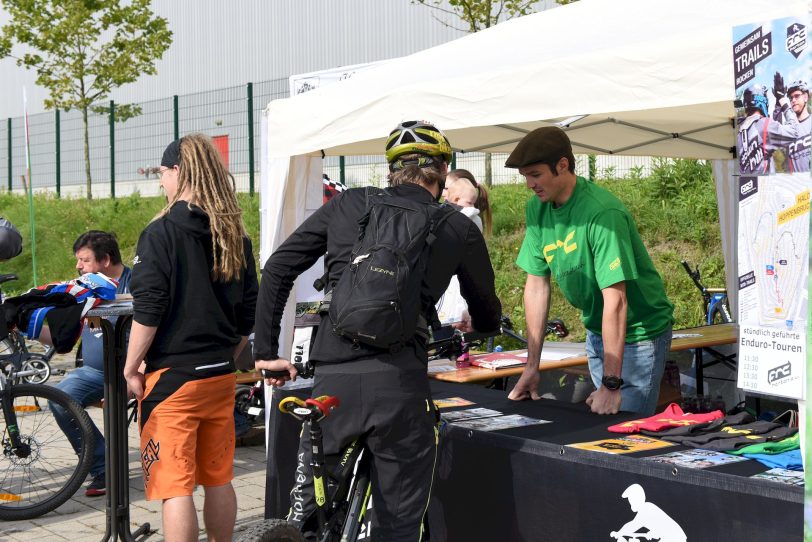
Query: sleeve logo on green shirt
615, 264
566, 245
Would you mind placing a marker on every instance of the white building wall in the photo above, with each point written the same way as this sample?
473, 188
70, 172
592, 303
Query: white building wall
218, 47
219, 43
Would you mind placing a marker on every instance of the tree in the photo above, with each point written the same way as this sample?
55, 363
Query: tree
480, 14
83, 49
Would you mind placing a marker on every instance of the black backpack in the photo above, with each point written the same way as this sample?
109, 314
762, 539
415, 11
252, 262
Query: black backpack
377, 299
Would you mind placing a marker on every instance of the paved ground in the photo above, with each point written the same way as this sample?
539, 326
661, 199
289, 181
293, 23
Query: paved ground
82, 519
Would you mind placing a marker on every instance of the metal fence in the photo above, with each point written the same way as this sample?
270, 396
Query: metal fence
231, 116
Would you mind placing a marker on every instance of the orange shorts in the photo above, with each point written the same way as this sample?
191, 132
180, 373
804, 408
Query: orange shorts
187, 433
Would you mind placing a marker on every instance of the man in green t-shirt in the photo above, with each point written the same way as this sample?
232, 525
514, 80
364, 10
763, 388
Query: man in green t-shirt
585, 238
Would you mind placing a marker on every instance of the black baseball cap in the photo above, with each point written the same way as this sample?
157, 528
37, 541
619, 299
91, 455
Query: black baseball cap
171, 157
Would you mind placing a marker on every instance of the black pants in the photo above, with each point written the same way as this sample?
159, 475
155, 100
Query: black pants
386, 401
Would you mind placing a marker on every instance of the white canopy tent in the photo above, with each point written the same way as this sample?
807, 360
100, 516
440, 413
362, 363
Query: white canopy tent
637, 77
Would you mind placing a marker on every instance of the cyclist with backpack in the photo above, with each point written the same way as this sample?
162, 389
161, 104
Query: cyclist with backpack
390, 254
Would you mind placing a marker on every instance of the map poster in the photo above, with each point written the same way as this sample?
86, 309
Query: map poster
773, 271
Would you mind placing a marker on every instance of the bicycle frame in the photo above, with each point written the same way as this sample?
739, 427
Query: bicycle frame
349, 501
713, 299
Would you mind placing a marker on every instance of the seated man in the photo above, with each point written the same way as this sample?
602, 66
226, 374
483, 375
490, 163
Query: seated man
96, 252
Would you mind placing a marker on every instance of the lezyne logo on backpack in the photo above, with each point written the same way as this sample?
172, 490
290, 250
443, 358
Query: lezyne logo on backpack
377, 300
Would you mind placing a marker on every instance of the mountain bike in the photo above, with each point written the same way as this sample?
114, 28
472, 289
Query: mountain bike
342, 501
714, 300
40, 469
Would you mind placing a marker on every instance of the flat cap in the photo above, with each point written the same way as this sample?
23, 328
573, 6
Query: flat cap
548, 144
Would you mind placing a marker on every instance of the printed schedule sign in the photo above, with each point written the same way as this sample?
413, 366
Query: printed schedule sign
773, 283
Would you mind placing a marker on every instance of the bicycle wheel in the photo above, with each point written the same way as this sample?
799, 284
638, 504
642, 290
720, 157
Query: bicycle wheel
52, 472
272, 530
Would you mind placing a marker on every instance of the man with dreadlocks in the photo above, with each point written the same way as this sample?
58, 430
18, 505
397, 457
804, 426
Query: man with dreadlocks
385, 396
194, 290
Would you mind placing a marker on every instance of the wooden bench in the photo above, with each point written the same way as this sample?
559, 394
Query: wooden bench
248, 378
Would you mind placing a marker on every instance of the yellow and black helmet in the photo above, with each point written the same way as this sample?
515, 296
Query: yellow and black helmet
417, 137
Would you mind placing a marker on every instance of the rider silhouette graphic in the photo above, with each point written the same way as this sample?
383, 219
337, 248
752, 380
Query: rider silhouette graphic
659, 525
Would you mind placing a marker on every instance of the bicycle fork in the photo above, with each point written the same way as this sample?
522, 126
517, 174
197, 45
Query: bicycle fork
18, 447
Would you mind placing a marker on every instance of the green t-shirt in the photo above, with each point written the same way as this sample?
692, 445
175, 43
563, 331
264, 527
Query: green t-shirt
772, 448
590, 243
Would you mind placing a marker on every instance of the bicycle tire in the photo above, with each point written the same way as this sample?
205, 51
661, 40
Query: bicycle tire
272, 530
53, 472
242, 402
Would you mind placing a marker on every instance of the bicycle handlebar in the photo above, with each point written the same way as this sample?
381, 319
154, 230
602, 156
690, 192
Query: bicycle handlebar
694, 274
303, 369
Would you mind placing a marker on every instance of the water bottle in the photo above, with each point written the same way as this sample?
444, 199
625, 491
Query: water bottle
497, 348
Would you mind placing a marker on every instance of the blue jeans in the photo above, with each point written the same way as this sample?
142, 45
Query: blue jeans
643, 366
86, 386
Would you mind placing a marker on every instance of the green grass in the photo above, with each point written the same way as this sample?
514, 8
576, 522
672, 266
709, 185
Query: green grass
675, 225
60, 221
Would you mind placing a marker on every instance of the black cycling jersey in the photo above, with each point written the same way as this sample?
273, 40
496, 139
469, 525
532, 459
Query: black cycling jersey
333, 229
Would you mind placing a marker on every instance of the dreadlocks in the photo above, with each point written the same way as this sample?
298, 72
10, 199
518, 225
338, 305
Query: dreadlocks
201, 170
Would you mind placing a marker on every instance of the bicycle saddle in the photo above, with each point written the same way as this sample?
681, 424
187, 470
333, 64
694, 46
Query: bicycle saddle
7, 277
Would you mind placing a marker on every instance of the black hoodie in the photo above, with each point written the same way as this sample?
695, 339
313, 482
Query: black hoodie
198, 320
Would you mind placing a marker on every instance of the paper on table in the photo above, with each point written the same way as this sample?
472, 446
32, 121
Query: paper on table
555, 351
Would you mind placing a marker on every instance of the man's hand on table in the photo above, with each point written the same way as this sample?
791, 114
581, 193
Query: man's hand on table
526, 388
604, 401
279, 364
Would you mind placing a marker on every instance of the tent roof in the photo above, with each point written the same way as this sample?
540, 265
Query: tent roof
624, 75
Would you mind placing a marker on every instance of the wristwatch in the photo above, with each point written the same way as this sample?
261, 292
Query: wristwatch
612, 383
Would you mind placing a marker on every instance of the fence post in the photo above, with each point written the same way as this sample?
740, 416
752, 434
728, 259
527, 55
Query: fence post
8, 133
453, 161
112, 149
593, 168
488, 169
251, 138
58, 154
341, 172
176, 116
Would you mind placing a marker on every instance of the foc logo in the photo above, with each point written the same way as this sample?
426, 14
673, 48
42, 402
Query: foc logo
779, 373
796, 39
748, 186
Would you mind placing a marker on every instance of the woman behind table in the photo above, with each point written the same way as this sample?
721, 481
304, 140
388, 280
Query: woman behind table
451, 307
482, 203
194, 290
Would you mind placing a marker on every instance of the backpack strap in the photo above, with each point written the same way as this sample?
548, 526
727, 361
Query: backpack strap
445, 211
